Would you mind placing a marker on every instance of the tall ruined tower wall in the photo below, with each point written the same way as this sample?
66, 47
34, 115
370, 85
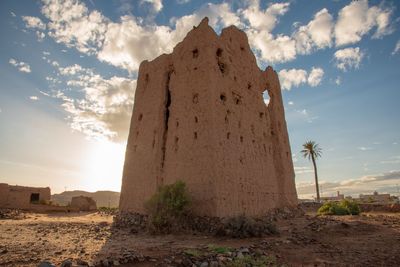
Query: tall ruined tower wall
199, 116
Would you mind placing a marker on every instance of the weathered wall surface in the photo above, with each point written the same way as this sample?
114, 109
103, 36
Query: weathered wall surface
83, 203
199, 116
19, 197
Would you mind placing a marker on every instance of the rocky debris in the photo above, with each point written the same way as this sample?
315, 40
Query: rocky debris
46, 264
115, 258
11, 214
236, 227
213, 256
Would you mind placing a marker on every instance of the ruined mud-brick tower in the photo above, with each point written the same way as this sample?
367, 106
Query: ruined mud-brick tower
199, 116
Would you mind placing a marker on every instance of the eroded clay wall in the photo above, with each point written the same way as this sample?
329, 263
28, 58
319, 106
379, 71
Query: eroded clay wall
19, 197
199, 116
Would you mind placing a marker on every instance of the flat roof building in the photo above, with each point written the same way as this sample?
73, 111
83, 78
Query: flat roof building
22, 197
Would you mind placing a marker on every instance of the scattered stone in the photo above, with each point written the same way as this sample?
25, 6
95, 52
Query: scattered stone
46, 264
66, 263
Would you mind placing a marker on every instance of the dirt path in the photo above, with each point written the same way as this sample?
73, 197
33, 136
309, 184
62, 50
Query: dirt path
366, 240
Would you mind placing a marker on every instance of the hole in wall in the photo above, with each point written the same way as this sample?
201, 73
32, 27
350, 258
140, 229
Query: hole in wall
261, 114
177, 124
266, 97
221, 67
196, 120
195, 135
147, 78
222, 97
249, 85
241, 139
228, 135
195, 53
140, 117
242, 48
219, 52
176, 140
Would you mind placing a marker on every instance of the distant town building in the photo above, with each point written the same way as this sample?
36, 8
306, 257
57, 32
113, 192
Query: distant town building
375, 198
23, 197
338, 197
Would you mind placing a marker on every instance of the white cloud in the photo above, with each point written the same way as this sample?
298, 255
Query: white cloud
72, 70
357, 19
315, 77
301, 170
348, 58
396, 48
317, 34
126, 43
363, 148
22, 66
338, 80
156, 4
292, 77
264, 20
13, 14
383, 183
181, 2
295, 77
34, 23
291, 103
72, 24
105, 109
280, 48
272, 49
40, 35
34, 98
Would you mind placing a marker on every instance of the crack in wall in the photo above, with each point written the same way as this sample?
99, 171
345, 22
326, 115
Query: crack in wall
167, 104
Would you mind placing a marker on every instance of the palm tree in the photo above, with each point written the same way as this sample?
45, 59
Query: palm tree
312, 151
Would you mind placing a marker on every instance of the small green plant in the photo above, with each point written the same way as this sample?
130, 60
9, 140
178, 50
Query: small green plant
193, 252
351, 206
219, 250
345, 207
167, 206
249, 260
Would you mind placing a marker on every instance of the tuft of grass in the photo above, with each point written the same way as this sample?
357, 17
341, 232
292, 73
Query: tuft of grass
253, 261
193, 252
219, 250
167, 206
345, 207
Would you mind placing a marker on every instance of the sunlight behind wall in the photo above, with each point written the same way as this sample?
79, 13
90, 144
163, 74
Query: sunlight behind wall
103, 167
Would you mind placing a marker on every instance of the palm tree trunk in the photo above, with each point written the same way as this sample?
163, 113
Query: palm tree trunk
316, 177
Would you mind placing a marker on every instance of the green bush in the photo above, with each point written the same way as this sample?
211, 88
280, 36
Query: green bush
345, 207
167, 206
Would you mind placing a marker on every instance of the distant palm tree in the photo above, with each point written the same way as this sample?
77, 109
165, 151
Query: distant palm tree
312, 151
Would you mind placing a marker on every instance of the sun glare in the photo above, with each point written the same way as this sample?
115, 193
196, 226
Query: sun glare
104, 166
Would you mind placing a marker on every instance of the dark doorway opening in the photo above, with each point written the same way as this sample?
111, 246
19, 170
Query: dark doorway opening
35, 197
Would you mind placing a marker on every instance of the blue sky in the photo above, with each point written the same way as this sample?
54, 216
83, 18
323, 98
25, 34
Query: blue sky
68, 70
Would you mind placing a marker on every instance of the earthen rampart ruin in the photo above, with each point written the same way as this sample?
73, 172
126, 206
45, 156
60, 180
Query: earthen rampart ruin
200, 117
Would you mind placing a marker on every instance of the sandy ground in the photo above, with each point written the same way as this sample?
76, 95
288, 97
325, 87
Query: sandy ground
371, 239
